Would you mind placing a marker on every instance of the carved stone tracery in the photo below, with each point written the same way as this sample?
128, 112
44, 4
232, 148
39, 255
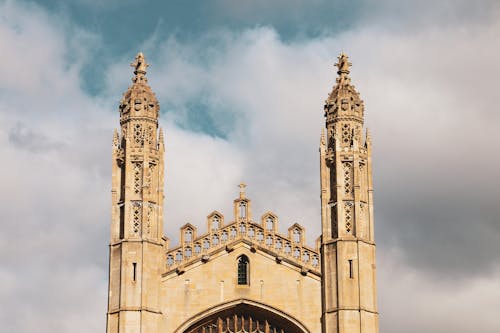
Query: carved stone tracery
237, 324
245, 318
263, 234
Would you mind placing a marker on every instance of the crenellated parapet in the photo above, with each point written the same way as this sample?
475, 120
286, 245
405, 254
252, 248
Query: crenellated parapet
260, 235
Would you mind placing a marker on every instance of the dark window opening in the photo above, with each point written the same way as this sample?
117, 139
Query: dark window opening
122, 222
243, 269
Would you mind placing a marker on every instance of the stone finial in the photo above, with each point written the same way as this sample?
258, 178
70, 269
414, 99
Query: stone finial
116, 139
322, 140
242, 187
343, 64
160, 137
140, 65
368, 138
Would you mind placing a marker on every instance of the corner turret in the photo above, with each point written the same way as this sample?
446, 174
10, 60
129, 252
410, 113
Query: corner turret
137, 242
347, 240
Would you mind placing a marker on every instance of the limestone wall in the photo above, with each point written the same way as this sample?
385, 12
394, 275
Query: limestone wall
204, 285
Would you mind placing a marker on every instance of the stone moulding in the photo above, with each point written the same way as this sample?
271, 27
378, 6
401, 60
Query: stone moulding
297, 325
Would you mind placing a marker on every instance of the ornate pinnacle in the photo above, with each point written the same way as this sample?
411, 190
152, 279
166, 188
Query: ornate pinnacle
140, 65
343, 65
368, 138
116, 139
322, 140
160, 137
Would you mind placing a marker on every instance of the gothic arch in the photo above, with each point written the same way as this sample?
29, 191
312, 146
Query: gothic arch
244, 312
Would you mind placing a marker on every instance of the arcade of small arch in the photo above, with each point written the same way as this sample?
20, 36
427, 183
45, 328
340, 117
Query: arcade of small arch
265, 234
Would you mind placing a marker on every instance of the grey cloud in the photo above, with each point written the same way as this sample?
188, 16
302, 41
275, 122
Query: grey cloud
442, 229
435, 304
25, 138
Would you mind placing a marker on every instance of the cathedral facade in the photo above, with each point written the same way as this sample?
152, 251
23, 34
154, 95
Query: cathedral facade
238, 273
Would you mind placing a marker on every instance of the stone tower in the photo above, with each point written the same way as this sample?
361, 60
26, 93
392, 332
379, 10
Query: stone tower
347, 244
136, 248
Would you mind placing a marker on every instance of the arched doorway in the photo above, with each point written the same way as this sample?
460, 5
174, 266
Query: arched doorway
242, 316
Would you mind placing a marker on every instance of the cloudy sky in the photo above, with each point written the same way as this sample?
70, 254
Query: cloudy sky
241, 87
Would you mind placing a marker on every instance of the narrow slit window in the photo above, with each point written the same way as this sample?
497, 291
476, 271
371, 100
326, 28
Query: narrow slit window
122, 222
134, 271
351, 273
243, 270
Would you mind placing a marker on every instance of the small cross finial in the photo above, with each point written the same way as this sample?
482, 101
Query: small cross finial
242, 187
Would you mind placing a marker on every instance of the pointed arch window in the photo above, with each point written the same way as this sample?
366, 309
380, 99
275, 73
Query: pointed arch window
215, 239
296, 235
315, 261
188, 252
296, 253
233, 232
216, 222
269, 223
260, 235
224, 236
243, 209
243, 270
251, 232
188, 235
